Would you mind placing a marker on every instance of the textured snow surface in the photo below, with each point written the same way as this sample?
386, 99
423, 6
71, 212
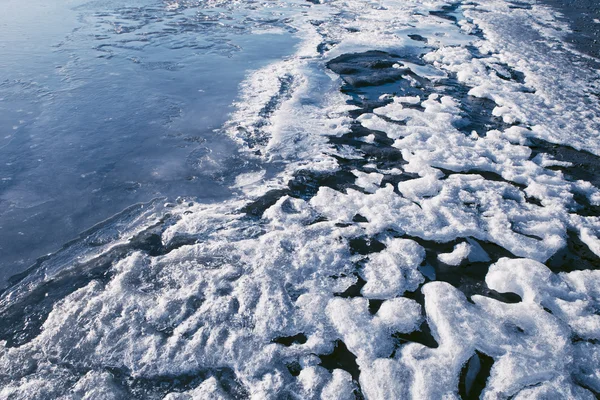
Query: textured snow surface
423, 225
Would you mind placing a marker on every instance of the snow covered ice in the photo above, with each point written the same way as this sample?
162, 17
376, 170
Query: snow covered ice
420, 220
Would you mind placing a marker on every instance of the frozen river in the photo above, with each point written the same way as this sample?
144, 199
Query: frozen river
337, 199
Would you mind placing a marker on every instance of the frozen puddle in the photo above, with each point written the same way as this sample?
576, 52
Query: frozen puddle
422, 222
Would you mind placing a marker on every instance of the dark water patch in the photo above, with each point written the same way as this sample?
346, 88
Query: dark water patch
324, 47
341, 358
359, 218
446, 12
394, 180
259, 206
470, 280
507, 73
579, 339
150, 242
380, 152
418, 38
474, 376
533, 200
383, 157
487, 175
583, 206
300, 338
594, 392
370, 75
575, 256
306, 183
422, 336
351, 163
477, 113
357, 130
495, 177
443, 15
375, 305
585, 31
355, 134
371, 68
365, 245
294, 368
367, 100
353, 290
585, 166
468, 277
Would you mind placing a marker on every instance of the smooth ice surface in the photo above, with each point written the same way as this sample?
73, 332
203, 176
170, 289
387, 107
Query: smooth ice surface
106, 104
418, 217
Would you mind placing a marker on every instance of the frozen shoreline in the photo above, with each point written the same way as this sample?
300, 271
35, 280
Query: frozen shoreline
426, 230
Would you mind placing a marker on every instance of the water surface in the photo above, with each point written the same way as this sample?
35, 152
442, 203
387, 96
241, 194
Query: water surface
105, 104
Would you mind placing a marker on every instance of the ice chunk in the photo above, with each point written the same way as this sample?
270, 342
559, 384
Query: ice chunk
394, 270
461, 251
